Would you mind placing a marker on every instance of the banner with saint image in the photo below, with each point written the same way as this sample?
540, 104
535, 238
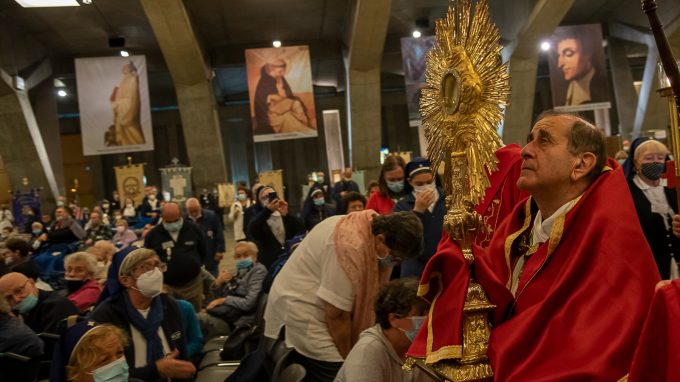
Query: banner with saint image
113, 100
414, 55
281, 93
578, 71
130, 183
176, 181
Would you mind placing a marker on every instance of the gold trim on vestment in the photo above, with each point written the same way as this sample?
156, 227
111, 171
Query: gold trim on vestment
451, 351
511, 239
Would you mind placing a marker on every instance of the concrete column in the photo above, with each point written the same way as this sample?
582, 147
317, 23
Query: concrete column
45, 108
192, 78
23, 150
544, 17
366, 42
624, 91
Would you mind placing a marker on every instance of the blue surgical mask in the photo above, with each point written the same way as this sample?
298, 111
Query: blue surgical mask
27, 304
116, 371
319, 202
387, 261
241, 197
174, 226
37, 232
417, 323
396, 187
244, 264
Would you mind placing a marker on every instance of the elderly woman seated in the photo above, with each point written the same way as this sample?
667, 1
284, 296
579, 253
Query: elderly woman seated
83, 288
381, 349
104, 252
239, 293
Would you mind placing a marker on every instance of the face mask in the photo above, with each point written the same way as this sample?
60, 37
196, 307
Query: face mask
395, 187
27, 304
653, 170
120, 229
152, 197
241, 197
116, 217
150, 283
37, 232
417, 323
9, 260
423, 188
60, 203
116, 371
129, 205
320, 179
319, 202
174, 226
100, 265
621, 161
73, 284
387, 261
244, 264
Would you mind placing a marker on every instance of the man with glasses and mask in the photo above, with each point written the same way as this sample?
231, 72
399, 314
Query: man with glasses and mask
40, 310
157, 350
182, 245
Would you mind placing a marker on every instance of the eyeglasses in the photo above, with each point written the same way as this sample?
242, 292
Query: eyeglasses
148, 267
18, 292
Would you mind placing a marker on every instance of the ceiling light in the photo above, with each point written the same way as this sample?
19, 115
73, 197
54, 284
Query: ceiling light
47, 3
416, 34
545, 46
124, 53
276, 43
62, 93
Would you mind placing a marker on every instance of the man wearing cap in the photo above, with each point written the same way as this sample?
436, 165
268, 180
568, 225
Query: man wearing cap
152, 320
426, 200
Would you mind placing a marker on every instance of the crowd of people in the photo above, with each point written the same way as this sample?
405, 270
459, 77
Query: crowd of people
134, 292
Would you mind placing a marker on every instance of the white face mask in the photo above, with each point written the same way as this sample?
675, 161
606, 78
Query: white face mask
150, 284
425, 187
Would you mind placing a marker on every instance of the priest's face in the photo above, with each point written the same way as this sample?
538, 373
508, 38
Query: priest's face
547, 163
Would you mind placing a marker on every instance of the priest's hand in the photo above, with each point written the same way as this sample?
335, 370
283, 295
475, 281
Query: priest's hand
676, 225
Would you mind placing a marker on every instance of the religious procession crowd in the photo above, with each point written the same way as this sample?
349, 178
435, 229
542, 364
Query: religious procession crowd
354, 286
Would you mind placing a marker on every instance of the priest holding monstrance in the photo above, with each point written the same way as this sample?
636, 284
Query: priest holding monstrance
563, 289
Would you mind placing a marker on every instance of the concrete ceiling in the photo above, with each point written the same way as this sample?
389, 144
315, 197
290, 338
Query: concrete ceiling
227, 27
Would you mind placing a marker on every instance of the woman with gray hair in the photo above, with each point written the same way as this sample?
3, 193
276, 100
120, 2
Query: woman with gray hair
83, 288
239, 293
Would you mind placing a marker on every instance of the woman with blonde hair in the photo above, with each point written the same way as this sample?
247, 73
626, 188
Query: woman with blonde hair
83, 287
655, 203
90, 352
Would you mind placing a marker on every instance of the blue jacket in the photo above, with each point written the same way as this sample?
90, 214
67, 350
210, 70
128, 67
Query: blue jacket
432, 222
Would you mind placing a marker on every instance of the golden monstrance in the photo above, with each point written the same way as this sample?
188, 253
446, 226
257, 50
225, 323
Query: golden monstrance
461, 108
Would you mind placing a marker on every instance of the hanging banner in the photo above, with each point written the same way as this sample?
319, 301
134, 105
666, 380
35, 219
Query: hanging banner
578, 73
281, 93
176, 181
273, 179
130, 182
414, 54
113, 99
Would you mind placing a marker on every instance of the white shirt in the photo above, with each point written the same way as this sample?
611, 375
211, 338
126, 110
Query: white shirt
311, 277
373, 359
139, 342
540, 233
657, 197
